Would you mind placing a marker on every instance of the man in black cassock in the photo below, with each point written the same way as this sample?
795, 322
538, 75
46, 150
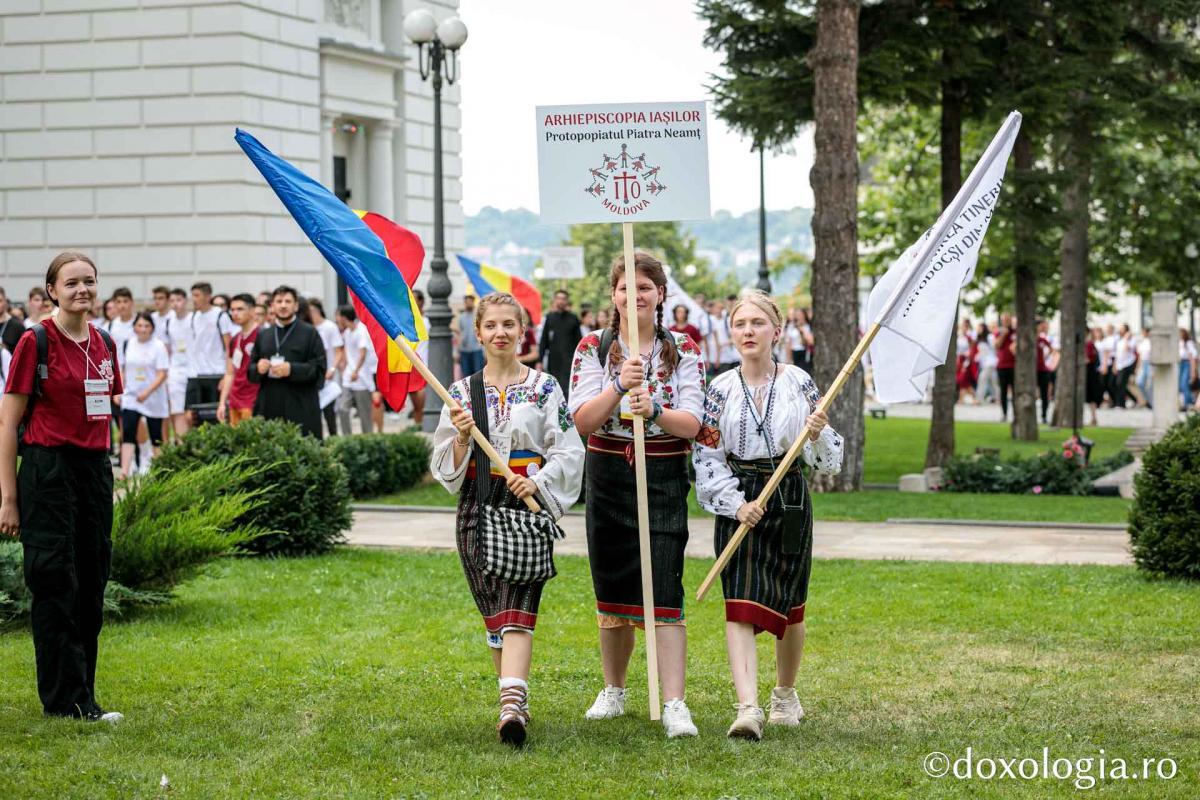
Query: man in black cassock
289, 363
560, 336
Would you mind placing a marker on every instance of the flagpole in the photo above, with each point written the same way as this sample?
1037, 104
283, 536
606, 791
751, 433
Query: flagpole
639, 470
476, 434
927, 249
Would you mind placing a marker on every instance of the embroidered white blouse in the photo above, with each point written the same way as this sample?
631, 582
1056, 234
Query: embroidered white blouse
529, 415
729, 429
683, 390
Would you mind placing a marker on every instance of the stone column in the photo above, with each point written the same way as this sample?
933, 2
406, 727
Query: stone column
1164, 358
381, 192
329, 279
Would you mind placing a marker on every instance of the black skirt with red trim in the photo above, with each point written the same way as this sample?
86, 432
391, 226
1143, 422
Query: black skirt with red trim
504, 606
763, 585
612, 529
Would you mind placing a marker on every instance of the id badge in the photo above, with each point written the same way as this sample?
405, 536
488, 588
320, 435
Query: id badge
237, 358
276, 360
96, 402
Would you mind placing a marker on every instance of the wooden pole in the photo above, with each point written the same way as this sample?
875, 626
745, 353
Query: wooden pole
789, 457
639, 468
476, 434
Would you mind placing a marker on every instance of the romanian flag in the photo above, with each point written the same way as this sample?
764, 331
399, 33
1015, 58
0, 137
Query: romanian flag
355, 250
394, 377
487, 279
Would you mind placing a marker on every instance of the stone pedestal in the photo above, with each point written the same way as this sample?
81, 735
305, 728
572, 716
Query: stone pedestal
1164, 359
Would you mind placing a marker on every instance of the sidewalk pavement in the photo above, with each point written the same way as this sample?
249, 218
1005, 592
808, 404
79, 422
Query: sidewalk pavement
990, 412
401, 527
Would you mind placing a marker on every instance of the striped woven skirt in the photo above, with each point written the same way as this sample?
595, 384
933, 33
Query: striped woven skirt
504, 606
612, 529
763, 585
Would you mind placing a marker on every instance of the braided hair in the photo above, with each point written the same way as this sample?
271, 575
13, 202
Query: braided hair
649, 266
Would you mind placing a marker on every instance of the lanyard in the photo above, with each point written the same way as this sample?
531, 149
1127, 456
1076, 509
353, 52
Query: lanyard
760, 424
280, 342
87, 351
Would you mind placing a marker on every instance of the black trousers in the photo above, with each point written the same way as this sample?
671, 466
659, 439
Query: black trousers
1121, 385
65, 496
202, 389
1044, 379
1005, 374
329, 412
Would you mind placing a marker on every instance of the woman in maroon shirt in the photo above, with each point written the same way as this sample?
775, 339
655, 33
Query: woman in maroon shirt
61, 501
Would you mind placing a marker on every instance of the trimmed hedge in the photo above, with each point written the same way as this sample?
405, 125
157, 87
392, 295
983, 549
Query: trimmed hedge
381, 463
1164, 522
304, 490
1050, 473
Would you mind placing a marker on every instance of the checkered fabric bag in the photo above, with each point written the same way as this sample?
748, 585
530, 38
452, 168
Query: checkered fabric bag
516, 545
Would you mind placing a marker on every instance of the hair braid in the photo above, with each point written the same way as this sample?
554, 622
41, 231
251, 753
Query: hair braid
670, 353
614, 350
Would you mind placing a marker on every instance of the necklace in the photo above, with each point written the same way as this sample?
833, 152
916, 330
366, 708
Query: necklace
760, 424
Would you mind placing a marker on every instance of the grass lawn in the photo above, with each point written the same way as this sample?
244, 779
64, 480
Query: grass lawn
879, 505
896, 446
364, 674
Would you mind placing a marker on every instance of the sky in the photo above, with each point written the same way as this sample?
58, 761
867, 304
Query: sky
525, 53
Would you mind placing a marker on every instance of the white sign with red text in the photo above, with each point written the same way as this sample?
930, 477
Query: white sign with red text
623, 162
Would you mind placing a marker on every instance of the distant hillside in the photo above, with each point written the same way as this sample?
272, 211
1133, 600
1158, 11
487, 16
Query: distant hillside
513, 239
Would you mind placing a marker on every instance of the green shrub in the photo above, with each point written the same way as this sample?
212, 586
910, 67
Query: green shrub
1049, 473
381, 463
165, 529
304, 490
1164, 521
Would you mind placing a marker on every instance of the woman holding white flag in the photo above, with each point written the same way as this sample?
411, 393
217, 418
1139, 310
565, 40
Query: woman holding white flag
752, 415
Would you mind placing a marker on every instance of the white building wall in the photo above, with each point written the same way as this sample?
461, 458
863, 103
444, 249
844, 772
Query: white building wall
116, 137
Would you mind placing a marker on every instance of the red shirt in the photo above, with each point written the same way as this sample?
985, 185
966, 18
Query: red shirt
242, 393
1044, 349
59, 416
1005, 359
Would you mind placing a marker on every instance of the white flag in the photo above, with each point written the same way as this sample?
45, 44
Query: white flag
676, 296
915, 301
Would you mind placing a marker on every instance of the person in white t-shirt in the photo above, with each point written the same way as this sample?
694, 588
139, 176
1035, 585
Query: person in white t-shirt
162, 307
358, 375
1187, 367
120, 327
1143, 369
210, 328
331, 338
1124, 360
178, 337
144, 404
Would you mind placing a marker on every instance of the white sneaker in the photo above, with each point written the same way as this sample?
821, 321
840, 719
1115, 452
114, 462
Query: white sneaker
111, 717
609, 703
748, 724
785, 707
677, 719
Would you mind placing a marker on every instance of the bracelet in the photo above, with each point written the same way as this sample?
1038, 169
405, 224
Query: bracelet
656, 412
617, 385
460, 442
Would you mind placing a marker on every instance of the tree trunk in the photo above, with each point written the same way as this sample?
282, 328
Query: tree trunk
1025, 421
945, 385
1070, 387
834, 177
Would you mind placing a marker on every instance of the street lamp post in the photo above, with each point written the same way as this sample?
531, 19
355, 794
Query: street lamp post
437, 56
764, 275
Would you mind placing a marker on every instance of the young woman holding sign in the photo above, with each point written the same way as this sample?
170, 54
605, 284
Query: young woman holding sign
752, 415
61, 501
664, 383
528, 422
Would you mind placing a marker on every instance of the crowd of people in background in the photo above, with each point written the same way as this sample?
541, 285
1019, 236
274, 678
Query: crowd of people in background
1118, 360
194, 356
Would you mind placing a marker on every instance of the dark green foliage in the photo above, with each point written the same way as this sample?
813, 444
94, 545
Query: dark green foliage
1164, 523
1049, 473
305, 491
165, 528
381, 463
